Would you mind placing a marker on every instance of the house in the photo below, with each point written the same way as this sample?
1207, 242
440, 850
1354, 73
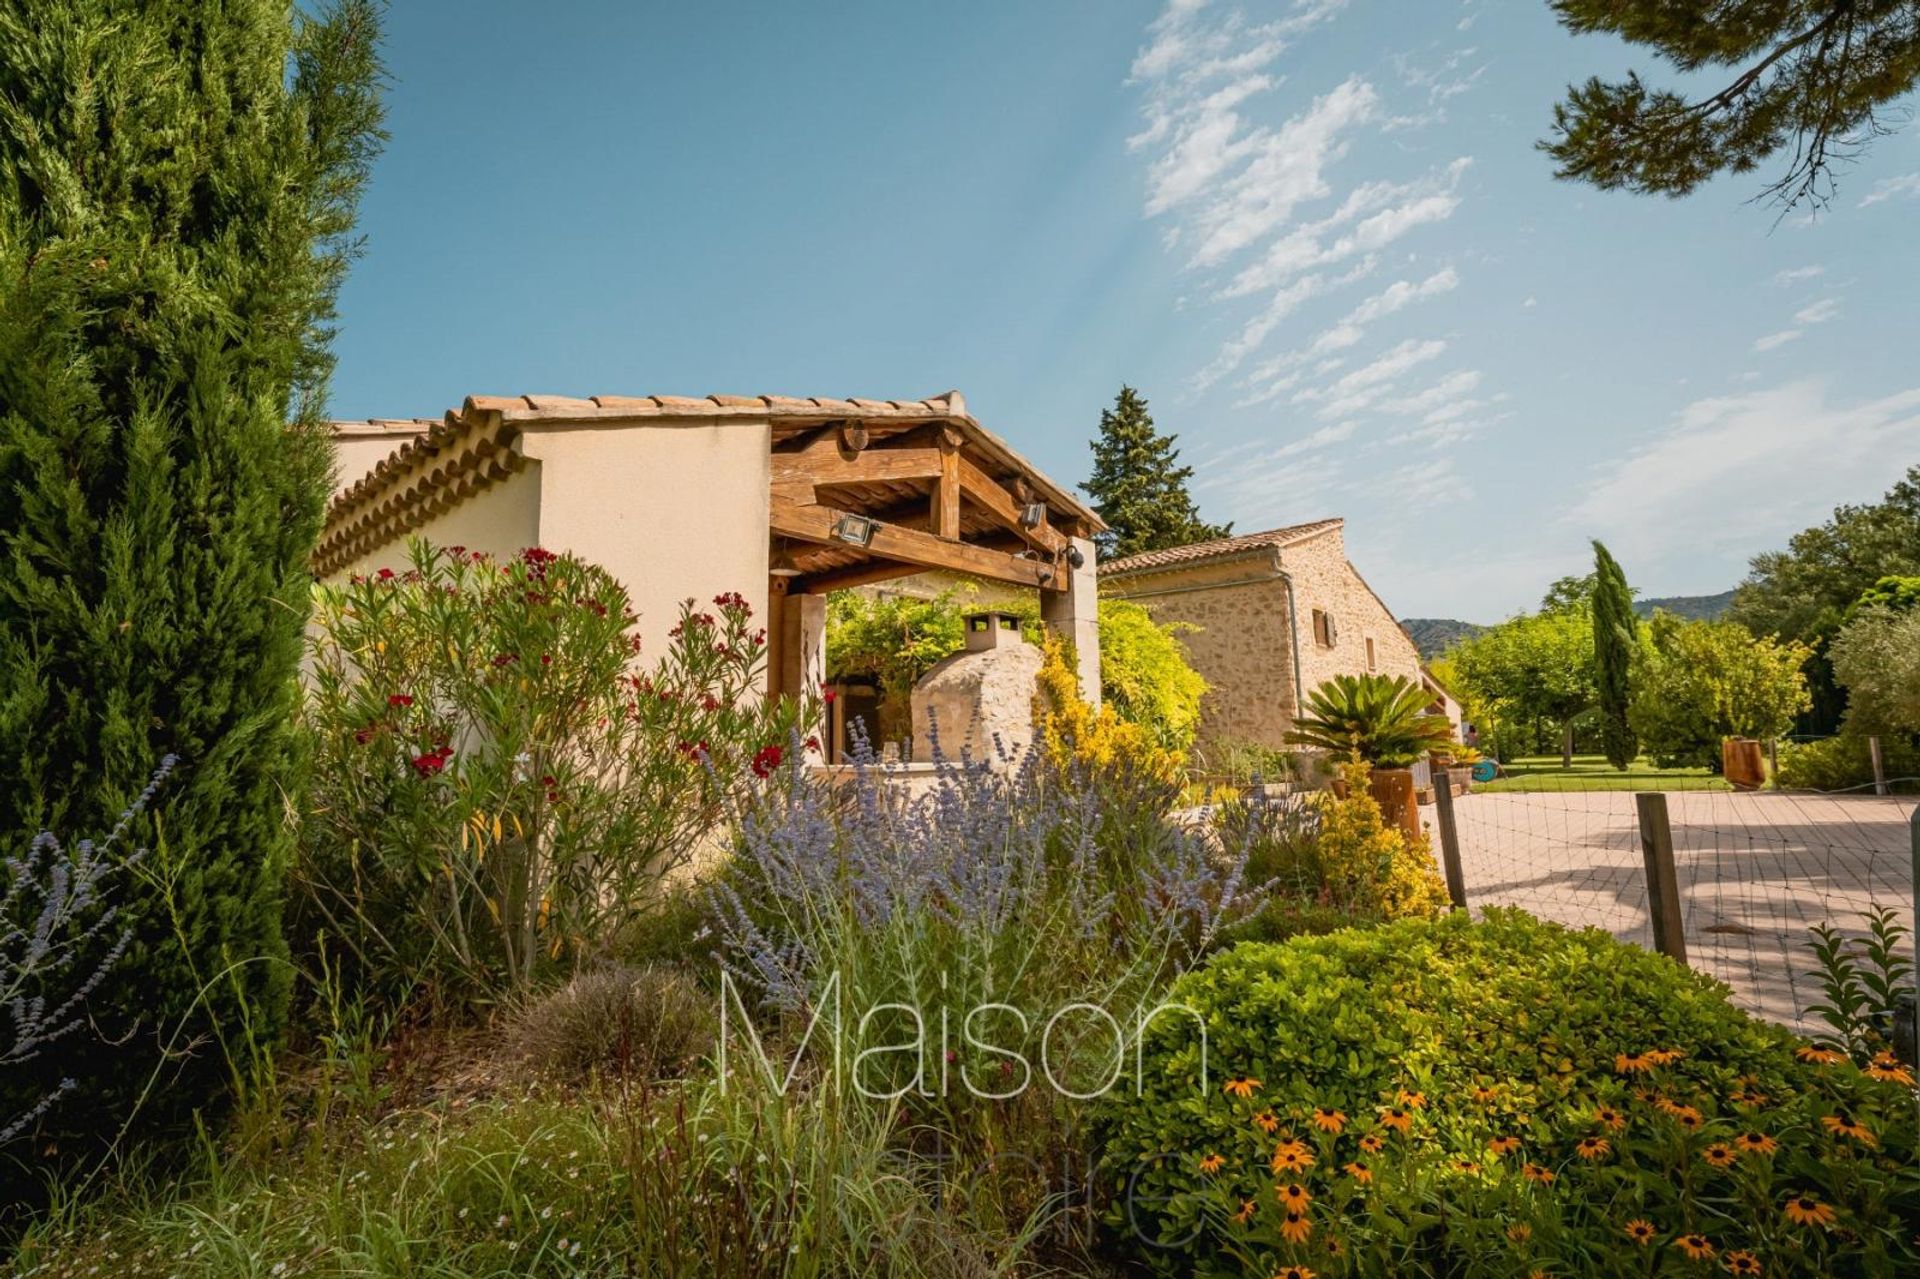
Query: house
1273, 615
777, 498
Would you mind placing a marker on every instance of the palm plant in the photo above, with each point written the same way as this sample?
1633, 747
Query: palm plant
1371, 719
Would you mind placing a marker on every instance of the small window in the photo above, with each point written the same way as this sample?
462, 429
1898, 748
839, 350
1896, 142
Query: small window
1324, 631
1370, 661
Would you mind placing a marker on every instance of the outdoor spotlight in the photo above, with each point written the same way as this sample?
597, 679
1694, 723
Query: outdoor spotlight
1076, 557
1033, 515
855, 530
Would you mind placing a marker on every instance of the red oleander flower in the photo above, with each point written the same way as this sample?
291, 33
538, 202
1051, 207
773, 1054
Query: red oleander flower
766, 759
385, 575
399, 699
432, 762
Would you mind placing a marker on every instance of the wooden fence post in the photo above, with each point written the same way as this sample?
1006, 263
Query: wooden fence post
1879, 765
1913, 1009
1773, 761
1663, 886
1449, 838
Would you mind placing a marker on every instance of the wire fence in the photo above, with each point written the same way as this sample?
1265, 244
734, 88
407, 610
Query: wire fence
1755, 871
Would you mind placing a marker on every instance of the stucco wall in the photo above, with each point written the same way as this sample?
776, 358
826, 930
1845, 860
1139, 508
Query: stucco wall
356, 449
501, 520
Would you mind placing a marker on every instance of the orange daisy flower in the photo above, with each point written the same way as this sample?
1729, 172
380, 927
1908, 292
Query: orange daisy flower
1534, 1172
1329, 1120
1295, 1227
1359, 1172
1504, 1145
1687, 1117
1841, 1124
1294, 1196
1889, 1073
1748, 1095
1519, 1232
1697, 1247
1483, 1094
1593, 1148
1608, 1117
1663, 1056
1413, 1100
1211, 1163
1641, 1231
1741, 1262
1246, 1211
1293, 1272
1240, 1086
1291, 1156
1755, 1143
1467, 1166
1815, 1055
1397, 1119
1719, 1154
1371, 1143
1632, 1063
1803, 1211
1267, 1122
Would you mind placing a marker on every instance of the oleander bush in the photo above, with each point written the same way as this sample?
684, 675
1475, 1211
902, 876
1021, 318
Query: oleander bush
498, 792
1504, 1098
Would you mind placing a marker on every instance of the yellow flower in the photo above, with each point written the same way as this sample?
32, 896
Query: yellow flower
1359, 1172
1632, 1063
1641, 1231
1295, 1227
1818, 1056
1687, 1117
1504, 1145
1329, 1120
1240, 1086
1397, 1119
1747, 1095
1741, 1262
1371, 1143
1293, 1272
1755, 1143
1467, 1166
1697, 1247
1719, 1154
1663, 1056
1267, 1122
1534, 1172
1246, 1212
1842, 1124
1802, 1211
1292, 1156
1890, 1074
1483, 1094
1519, 1232
1593, 1148
1210, 1164
1293, 1196
1412, 1100
1608, 1117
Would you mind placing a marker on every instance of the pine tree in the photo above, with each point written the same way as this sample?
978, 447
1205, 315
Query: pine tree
1138, 486
1615, 639
178, 186
1809, 80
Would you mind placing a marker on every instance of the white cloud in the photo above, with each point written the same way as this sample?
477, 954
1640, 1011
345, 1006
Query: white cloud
1772, 340
1888, 188
1440, 402
1358, 390
1737, 472
1794, 275
1272, 376
1817, 312
1254, 332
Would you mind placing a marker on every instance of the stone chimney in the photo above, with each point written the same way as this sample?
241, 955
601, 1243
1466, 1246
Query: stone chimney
983, 692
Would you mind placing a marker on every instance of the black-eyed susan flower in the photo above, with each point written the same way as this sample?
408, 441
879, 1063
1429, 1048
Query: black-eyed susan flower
1697, 1247
1371, 1143
1818, 1055
1484, 1094
1593, 1148
1504, 1145
1240, 1086
1412, 1100
1212, 1163
1755, 1143
1293, 1196
1293, 1272
1608, 1117
1534, 1172
1467, 1166
1632, 1063
1267, 1122
1741, 1262
1247, 1207
1719, 1154
1294, 1226
1519, 1232
1291, 1156
1641, 1231
1663, 1056
1327, 1120
1803, 1210
1841, 1124
1887, 1069
1397, 1118
1746, 1095
1361, 1174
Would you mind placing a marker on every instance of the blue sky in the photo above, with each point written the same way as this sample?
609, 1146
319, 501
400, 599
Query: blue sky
1315, 233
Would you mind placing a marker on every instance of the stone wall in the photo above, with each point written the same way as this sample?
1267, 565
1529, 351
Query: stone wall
1324, 579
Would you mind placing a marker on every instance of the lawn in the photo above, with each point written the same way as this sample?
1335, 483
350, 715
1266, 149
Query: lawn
1592, 772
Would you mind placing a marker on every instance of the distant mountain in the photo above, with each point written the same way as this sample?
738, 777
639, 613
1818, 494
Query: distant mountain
1435, 635
1705, 608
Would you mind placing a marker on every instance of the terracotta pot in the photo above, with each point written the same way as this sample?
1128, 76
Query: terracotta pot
1741, 763
1338, 785
1392, 789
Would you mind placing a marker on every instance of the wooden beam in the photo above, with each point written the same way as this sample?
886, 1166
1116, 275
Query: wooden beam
997, 502
853, 436
944, 512
840, 579
910, 546
869, 466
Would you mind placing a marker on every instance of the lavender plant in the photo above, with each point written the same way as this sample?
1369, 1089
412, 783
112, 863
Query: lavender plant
58, 943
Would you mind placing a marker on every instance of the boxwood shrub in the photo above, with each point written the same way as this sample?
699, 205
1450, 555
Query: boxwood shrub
1500, 1098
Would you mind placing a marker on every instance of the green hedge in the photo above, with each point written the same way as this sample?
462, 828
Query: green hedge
1467, 1033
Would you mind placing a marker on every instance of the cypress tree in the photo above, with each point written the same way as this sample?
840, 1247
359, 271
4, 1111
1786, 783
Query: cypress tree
1615, 639
1138, 486
178, 186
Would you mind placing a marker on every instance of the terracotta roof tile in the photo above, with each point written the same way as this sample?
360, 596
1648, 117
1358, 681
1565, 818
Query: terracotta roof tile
1220, 548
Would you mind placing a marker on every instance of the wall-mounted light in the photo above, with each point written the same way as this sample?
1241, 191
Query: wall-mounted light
1075, 556
1033, 515
782, 564
855, 530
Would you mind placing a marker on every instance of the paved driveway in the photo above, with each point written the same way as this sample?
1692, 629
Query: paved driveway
1755, 871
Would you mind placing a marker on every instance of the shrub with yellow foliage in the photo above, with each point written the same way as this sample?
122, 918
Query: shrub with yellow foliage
1078, 735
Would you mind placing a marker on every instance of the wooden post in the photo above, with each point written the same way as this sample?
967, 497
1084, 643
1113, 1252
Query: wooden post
1773, 761
1879, 765
1913, 1058
1663, 886
1449, 838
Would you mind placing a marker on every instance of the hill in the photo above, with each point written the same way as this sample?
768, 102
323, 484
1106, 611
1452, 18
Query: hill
1435, 635
1706, 608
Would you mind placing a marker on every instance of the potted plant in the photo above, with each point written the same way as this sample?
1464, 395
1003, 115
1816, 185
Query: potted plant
1379, 721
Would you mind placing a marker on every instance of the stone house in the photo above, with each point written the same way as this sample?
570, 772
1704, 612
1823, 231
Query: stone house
1273, 615
777, 498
